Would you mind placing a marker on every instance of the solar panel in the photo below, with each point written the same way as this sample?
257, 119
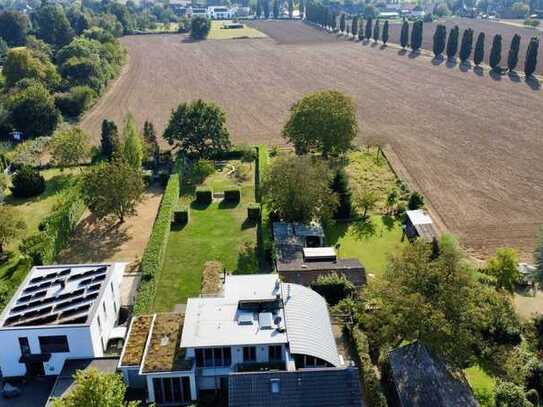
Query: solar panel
99, 278
36, 280
18, 308
64, 272
24, 298
77, 320
85, 282
39, 294
74, 311
94, 287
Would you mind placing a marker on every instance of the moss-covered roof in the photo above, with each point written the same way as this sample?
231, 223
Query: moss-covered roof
137, 338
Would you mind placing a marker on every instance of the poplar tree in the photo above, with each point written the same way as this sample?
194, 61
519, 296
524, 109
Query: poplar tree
416, 35
110, 141
512, 58
368, 31
452, 43
479, 53
342, 23
439, 39
404, 34
466, 45
496, 52
361, 29
275, 8
376, 31
531, 56
258, 8
301, 8
385, 33
290, 8
354, 28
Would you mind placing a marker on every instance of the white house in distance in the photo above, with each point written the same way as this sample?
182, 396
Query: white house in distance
219, 13
257, 332
60, 312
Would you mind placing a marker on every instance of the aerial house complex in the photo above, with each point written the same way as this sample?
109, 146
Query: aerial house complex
59, 313
258, 332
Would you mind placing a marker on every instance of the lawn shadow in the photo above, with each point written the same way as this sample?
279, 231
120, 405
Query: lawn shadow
247, 260
224, 204
335, 231
533, 83
513, 76
479, 71
388, 221
364, 228
177, 227
451, 63
437, 60
248, 224
199, 206
465, 66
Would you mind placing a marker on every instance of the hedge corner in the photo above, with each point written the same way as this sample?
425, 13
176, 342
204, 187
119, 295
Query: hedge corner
204, 195
253, 212
181, 216
232, 195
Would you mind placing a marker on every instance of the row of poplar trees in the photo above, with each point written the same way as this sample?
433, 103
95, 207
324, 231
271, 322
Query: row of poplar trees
450, 47
364, 31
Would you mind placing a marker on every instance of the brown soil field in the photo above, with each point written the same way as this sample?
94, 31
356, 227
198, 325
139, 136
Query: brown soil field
472, 143
490, 29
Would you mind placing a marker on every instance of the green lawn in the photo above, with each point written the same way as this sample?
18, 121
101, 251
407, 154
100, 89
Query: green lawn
216, 232
482, 385
369, 242
217, 32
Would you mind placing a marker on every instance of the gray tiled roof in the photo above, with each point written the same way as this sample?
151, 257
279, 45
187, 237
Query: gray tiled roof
423, 380
327, 387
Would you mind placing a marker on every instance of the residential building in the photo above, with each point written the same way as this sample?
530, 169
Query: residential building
219, 13
257, 325
301, 255
418, 378
60, 312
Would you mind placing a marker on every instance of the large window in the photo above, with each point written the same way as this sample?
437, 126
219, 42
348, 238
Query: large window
172, 390
54, 344
25, 347
275, 353
249, 354
213, 357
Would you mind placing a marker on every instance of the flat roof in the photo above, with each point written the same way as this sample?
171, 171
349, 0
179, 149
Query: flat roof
58, 295
318, 252
252, 287
419, 217
136, 340
162, 352
331, 265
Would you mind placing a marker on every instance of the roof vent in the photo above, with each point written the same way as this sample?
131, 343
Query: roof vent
265, 320
245, 318
164, 340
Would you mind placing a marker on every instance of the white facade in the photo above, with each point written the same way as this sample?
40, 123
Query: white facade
219, 13
42, 348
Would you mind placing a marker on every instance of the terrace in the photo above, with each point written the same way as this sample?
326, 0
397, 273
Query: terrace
163, 353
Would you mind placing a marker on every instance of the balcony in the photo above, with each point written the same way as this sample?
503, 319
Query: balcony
259, 366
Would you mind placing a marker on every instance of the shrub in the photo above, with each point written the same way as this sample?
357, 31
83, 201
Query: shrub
533, 397
201, 170
333, 287
76, 101
262, 162
253, 212
370, 382
27, 182
415, 201
508, 394
204, 195
199, 28
531, 22
37, 248
181, 216
232, 195
163, 178
153, 256
211, 277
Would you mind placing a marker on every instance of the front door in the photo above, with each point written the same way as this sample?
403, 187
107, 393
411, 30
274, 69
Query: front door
34, 369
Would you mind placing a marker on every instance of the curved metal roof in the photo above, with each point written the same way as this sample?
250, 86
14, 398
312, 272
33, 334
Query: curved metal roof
308, 325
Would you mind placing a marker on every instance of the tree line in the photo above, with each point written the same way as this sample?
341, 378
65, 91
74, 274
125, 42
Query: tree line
267, 8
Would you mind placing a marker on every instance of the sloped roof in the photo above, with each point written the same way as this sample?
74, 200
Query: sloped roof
423, 380
315, 388
308, 325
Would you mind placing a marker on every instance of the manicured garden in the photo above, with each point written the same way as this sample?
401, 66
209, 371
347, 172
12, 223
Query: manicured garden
218, 32
218, 231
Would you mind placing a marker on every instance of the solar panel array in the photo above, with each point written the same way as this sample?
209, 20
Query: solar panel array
61, 297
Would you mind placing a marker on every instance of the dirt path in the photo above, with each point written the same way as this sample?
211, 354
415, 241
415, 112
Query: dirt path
472, 142
104, 241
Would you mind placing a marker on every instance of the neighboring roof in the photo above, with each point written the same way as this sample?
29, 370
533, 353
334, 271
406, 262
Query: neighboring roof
252, 287
423, 380
58, 295
134, 347
312, 387
295, 233
422, 223
308, 324
65, 380
162, 352
319, 253
337, 265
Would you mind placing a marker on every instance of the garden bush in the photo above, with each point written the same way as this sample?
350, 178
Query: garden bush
153, 256
232, 195
76, 101
531, 22
181, 216
201, 170
370, 382
262, 162
333, 287
253, 212
163, 178
416, 201
27, 182
204, 195
533, 397
199, 28
508, 394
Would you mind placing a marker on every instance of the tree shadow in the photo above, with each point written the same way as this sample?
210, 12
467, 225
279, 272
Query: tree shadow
495, 75
334, 231
451, 63
414, 54
513, 76
479, 71
533, 83
384, 46
364, 228
224, 204
403, 51
53, 186
465, 66
374, 44
388, 221
199, 206
437, 60
247, 260
248, 224
177, 227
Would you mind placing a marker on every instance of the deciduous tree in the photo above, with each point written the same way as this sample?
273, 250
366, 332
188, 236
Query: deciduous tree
69, 147
14, 27
198, 128
504, 267
479, 53
298, 189
133, 147
22, 64
52, 25
531, 56
199, 28
12, 226
112, 188
324, 121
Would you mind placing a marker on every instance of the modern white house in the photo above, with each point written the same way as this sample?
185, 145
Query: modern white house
60, 312
255, 327
219, 13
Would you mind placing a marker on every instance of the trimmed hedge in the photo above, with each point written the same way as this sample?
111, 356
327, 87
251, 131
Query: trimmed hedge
262, 163
253, 212
371, 385
204, 195
232, 195
181, 216
153, 256
333, 287
55, 230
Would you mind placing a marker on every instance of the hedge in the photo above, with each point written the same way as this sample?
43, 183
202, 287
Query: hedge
373, 391
333, 287
55, 230
261, 165
181, 216
253, 212
153, 256
204, 195
232, 195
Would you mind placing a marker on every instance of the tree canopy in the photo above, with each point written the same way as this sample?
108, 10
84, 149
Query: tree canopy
12, 225
14, 27
69, 147
133, 146
199, 28
198, 128
298, 189
323, 121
